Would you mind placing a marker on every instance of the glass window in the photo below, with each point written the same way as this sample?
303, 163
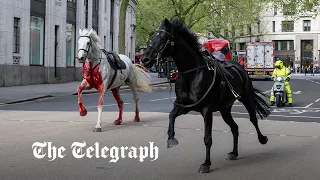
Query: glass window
16, 35
287, 26
283, 45
306, 25
291, 45
273, 26
275, 10
36, 40
70, 45
289, 9
276, 45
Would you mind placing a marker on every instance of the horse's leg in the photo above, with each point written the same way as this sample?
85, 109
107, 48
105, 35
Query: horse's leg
175, 112
227, 117
207, 115
136, 100
101, 90
248, 101
83, 86
116, 95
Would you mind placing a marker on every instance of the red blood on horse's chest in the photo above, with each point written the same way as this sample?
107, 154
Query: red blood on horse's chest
92, 74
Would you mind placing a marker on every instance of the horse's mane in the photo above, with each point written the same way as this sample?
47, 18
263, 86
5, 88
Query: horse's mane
186, 34
93, 35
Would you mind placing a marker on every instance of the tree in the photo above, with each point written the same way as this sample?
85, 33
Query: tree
122, 25
199, 15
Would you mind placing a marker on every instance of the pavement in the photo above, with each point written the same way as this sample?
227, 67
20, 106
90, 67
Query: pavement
291, 153
17, 94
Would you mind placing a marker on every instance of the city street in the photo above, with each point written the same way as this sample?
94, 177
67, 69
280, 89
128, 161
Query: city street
291, 153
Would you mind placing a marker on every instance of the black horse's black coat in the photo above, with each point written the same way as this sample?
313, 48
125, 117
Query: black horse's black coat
195, 78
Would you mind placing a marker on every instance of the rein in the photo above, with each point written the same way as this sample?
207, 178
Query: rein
205, 95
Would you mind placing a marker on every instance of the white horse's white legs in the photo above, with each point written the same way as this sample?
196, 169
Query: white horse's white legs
133, 88
100, 107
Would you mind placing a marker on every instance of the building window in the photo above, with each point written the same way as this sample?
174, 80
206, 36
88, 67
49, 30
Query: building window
70, 35
111, 24
95, 5
283, 45
36, 40
105, 5
287, 26
16, 35
249, 29
276, 46
242, 46
86, 12
291, 45
306, 25
275, 10
273, 26
289, 9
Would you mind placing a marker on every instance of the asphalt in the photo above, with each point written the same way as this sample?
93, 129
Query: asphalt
291, 153
18, 94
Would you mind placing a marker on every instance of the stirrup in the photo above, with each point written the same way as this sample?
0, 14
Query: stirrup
236, 95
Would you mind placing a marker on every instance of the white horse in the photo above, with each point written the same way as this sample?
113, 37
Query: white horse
98, 73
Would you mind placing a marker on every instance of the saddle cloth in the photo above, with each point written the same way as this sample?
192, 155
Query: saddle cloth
114, 60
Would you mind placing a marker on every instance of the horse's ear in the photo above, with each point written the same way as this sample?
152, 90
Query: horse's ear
80, 31
166, 23
91, 30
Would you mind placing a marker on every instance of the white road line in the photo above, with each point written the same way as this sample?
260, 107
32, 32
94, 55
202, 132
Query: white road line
107, 105
309, 105
154, 100
240, 105
276, 115
317, 100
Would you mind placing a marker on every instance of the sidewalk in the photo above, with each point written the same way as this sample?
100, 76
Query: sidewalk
16, 94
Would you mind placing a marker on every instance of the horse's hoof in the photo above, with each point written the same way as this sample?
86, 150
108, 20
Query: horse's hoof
204, 169
263, 139
117, 122
232, 156
136, 120
83, 112
172, 142
96, 129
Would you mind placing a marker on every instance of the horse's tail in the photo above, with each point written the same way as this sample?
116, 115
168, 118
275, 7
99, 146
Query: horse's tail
143, 78
262, 108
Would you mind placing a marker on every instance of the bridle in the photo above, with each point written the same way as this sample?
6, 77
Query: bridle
90, 44
169, 42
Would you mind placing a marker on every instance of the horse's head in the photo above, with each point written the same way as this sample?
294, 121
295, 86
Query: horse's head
88, 44
161, 45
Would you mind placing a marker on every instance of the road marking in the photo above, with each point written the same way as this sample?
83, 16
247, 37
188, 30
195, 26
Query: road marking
198, 129
154, 100
315, 137
252, 133
226, 131
298, 92
283, 135
309, 105
276, 115
317, 100
107, 105
145, 125
240, 105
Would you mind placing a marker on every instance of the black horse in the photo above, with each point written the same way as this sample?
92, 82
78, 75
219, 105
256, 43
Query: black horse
204, 84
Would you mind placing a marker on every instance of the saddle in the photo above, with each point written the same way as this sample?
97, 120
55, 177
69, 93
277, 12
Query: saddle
220, 65
114, 60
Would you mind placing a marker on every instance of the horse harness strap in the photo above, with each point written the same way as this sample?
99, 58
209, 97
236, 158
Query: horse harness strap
205, 95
